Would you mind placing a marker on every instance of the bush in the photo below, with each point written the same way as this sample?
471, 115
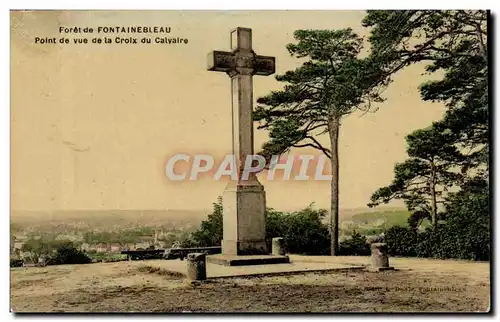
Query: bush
186, 239
401, 241
465, 233
210, 231
303, 231
355, 245
428, 244
66, 253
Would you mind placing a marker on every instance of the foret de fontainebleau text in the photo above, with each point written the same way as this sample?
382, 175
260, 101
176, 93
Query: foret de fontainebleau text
113, 35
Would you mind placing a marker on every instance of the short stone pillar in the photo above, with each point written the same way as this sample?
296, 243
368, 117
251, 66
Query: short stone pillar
278, 246
42, 260
196, 267
380, 259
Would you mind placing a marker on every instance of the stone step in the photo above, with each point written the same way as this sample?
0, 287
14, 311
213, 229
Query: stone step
243, 260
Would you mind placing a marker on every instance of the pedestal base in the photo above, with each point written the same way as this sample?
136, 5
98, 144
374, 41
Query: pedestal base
380, 269
233, 260
244, 222
234, 247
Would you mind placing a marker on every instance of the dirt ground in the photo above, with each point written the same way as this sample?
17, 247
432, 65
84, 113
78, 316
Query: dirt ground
418, 285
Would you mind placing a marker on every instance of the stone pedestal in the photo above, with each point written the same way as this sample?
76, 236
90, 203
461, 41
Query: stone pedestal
244, 222
196, 267
278, 246
379, 259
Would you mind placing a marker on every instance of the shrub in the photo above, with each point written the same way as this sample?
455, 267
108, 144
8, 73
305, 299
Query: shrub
428, 244
401, 241
355, 245
210, 231
186, 240
464, 234
16, 263
303, 231
66, 253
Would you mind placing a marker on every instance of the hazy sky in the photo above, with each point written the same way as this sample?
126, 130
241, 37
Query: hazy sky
92, 125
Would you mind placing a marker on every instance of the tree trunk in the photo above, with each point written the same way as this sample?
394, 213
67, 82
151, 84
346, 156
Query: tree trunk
483, 50
433, 196
333, 129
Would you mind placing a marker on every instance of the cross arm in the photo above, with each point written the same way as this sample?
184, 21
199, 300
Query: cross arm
264, 65
221, 61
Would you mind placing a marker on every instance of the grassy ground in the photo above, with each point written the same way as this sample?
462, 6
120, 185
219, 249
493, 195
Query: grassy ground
419, 285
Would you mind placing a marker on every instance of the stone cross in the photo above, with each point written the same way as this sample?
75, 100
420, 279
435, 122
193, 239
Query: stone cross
241, 64
244, 202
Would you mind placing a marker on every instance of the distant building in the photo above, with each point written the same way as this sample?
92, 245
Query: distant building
129, 246
115, 248
101, 248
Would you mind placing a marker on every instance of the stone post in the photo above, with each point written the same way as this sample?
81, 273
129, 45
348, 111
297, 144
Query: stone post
380, 259
278, 247
196, 267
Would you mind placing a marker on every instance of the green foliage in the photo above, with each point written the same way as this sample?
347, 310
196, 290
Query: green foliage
447, 39
401, 241
169, 239
416, 219
331, 82
467, 228
43, 245
303, 231
465, 234
56, 251
66, 253
210, 232
16, 263
355, 245
186, 240
453, 42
